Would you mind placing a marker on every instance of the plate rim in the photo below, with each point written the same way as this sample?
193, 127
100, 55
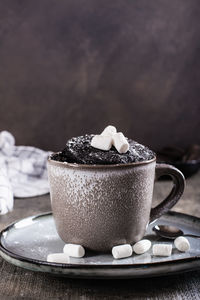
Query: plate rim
93, 266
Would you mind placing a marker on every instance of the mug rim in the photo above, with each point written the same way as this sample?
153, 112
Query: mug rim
96, 166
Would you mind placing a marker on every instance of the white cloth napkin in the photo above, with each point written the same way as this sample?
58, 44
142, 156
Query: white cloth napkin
23, 172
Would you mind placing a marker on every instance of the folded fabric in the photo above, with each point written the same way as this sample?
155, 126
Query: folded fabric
23, 172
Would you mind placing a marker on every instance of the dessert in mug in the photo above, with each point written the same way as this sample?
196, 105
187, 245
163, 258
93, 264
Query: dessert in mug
101, 189
80, 150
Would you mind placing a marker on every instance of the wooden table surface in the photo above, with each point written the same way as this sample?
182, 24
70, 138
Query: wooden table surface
18, 283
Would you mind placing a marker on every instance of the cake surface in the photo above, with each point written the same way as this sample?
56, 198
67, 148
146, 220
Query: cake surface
79, 150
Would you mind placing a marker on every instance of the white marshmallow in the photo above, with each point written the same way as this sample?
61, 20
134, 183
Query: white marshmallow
120, 142
182, 244
74, 250
102, 142
109, 130
162, 249
142, 246
122, 251
61, 258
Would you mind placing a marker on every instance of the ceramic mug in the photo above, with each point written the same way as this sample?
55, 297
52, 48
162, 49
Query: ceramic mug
101, 206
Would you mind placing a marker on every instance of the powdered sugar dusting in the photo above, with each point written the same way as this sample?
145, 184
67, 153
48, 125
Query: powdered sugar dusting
79, 150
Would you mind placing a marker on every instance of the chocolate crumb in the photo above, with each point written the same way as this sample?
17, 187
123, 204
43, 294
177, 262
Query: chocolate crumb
79, 150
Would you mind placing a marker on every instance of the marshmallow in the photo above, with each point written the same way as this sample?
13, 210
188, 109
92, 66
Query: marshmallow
142, 246
102, 142
182, 244
61, 258
162, 249
120, 142
122, 251
74, 250
109, 130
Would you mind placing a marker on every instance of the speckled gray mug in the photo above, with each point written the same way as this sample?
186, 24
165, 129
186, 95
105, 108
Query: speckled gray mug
101, 206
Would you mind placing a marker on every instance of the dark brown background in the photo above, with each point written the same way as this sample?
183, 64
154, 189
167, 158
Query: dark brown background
71, 67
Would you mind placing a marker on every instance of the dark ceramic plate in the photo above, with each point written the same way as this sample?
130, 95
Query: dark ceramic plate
26, 243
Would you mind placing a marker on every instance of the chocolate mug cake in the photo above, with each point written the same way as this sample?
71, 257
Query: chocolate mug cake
101, 189
79, 150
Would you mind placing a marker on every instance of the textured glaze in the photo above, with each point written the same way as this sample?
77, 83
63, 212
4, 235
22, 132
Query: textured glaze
101, 206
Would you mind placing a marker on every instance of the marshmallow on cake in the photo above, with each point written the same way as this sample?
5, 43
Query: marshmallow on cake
110, 137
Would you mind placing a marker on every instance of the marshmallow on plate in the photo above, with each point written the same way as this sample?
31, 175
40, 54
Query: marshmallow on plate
74, 250
120, 142
122, 251
162, 249
61, 258
182, 244
142, 246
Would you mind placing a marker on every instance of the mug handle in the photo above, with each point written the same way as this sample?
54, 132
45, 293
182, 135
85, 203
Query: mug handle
175, 194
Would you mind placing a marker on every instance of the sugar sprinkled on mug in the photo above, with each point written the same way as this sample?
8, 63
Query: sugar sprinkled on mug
103, 198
